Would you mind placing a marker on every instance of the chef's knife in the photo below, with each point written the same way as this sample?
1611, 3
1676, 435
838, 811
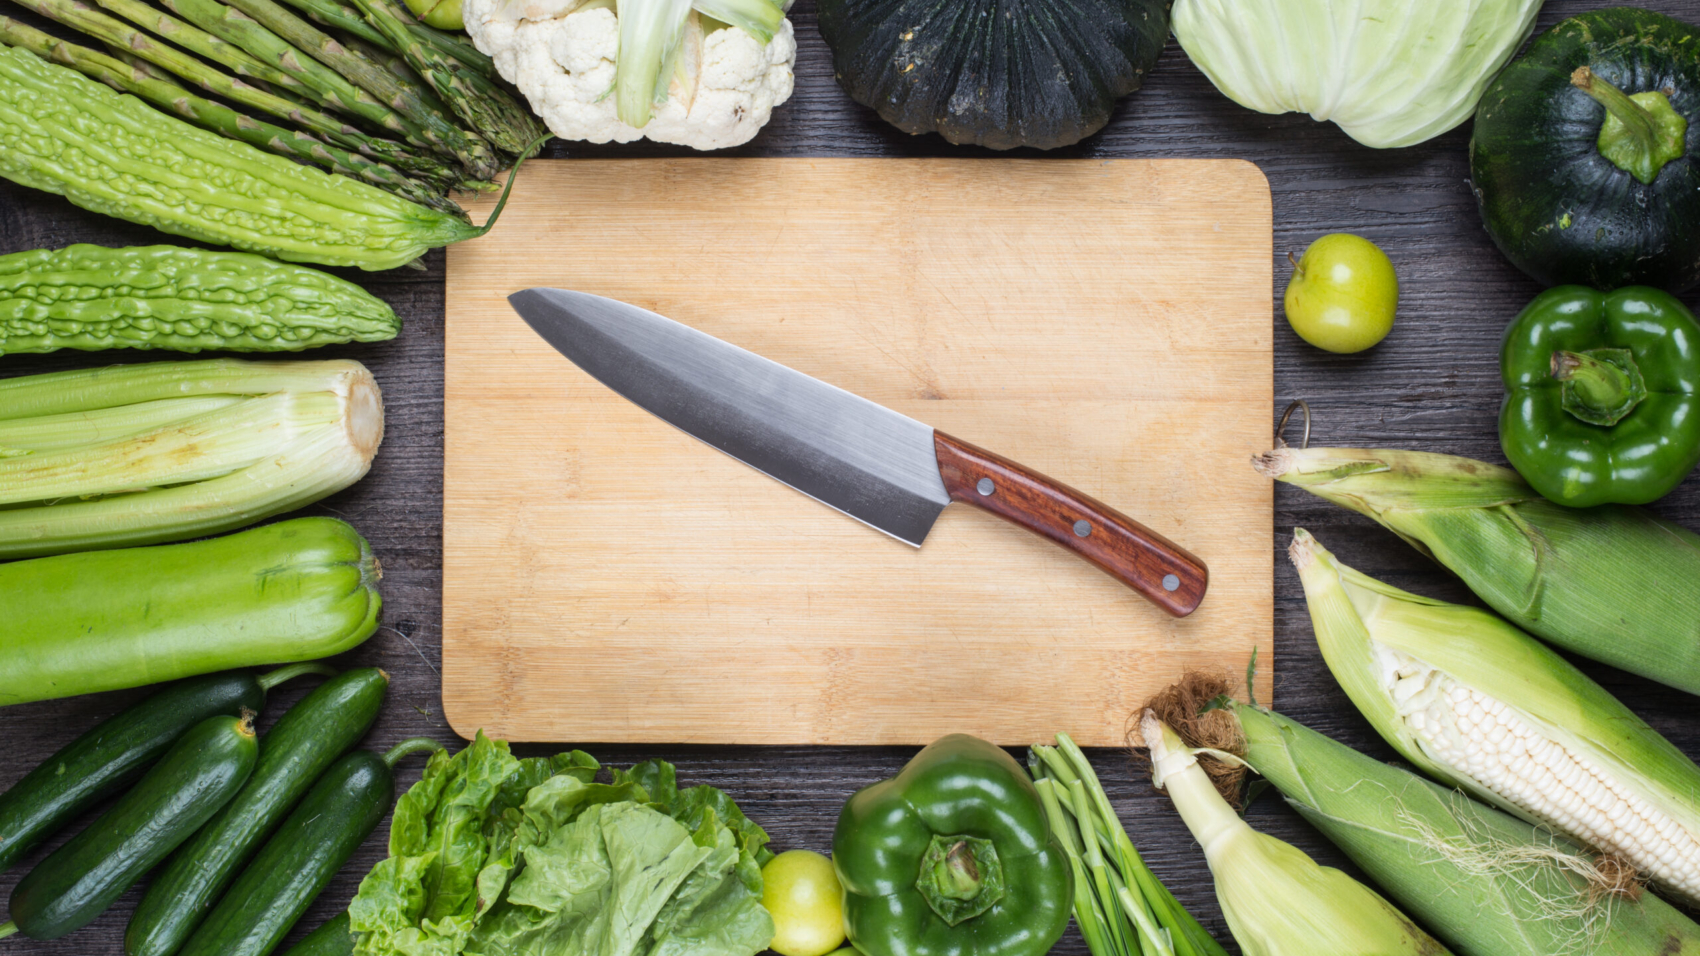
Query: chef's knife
875, 465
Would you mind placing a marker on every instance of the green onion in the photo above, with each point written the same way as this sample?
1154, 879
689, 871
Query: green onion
1120, 906
142, 454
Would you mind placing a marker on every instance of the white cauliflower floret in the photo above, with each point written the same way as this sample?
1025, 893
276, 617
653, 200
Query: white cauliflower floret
561, 54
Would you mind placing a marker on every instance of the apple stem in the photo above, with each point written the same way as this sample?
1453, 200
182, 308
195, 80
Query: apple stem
1297, 269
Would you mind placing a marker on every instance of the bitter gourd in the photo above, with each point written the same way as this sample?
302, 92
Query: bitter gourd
113, 154
166, 297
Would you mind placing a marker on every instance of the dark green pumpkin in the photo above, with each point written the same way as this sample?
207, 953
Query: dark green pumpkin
997, 73
1555, 205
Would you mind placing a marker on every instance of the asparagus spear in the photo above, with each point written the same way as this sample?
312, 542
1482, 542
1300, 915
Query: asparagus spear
196, 40
330, 87
470, 148
166, 93
385, 58
455, 47
117, 34
480, 102
426, 192
330, 13
337, 15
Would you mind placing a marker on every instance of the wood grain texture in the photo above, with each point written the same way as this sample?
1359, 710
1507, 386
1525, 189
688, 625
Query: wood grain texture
1163, 572
1432, 385
597, 561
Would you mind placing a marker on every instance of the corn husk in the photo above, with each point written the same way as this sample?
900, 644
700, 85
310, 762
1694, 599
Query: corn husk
1371, 634
1614, 584
166, 451
1277, 900
1486, 883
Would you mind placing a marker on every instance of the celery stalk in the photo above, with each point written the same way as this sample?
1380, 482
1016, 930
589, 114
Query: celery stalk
142, 454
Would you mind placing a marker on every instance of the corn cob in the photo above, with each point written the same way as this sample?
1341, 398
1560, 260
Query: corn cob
1486, 883
1614, 583
1277, 900
1476, 703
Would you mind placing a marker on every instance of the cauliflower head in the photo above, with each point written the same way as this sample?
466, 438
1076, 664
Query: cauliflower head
562, 55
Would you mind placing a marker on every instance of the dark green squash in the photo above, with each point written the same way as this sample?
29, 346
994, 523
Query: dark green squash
1567, 204
997, 73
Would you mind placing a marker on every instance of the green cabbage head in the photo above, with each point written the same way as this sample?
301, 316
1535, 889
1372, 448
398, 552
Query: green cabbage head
1388, 72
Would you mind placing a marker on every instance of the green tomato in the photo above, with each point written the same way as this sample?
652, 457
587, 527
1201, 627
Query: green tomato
442, 14
801, 892
1343, 294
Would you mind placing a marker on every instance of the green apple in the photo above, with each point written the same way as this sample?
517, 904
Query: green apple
1343, 294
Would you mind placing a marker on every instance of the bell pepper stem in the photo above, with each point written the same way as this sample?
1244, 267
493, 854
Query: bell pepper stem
8, 929
1641, 133
1601, 386
958, 874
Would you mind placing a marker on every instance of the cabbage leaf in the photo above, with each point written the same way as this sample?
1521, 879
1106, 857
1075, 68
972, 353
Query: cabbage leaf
1388, 72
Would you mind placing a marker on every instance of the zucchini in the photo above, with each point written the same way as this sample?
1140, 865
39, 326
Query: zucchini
325, 725
199, 774
119, 749
114, 154
103, 620
333, 938
335, 817
165, 297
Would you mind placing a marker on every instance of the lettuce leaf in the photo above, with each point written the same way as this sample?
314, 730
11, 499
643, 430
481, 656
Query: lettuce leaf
497, 856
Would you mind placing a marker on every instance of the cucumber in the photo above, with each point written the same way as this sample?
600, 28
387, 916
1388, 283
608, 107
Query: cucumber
335, 817
325, 725
333, 938
199, 774
120, 749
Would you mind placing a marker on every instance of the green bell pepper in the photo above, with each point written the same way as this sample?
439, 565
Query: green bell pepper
1601, 398
952, 857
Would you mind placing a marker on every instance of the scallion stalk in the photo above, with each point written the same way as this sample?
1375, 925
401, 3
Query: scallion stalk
1121, 907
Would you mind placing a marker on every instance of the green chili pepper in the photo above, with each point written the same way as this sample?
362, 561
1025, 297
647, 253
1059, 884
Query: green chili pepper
952, 857
1601, 401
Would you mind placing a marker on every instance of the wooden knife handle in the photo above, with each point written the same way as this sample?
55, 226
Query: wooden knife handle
1163, 572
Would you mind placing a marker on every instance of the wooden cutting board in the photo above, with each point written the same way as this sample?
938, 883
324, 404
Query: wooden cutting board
609, 579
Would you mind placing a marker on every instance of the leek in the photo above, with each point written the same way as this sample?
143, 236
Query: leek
1615, 583
1478, 704
1119, 905
1277, 900
143, 454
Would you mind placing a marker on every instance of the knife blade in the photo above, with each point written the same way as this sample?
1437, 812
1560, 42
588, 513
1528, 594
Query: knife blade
876, 465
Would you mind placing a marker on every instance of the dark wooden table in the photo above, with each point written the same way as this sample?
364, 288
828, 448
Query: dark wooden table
1432, 385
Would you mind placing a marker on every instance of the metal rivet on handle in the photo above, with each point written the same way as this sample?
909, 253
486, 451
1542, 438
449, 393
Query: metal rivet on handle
1084, 528
1170, 582
985, 486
